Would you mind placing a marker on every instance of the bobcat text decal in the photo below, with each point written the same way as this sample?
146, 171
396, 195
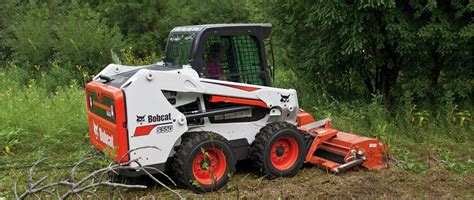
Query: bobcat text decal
103, 136
159, 118
154, 118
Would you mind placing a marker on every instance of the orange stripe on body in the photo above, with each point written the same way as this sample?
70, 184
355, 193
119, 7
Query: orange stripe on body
253, 102
95, 103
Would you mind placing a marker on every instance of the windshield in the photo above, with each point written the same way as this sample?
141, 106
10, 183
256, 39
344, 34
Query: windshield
178, 49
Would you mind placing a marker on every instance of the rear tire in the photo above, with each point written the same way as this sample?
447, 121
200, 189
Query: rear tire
203, 161
278, 150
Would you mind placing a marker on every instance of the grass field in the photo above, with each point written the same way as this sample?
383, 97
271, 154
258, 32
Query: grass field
431, 153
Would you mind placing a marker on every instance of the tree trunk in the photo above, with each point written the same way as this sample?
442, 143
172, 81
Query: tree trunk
388, 74
436, 70
385, 85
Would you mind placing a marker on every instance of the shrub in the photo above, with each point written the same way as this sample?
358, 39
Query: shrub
34, 36
85, 40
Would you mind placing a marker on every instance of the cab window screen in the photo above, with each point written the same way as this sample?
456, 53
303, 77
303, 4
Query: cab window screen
233, 58
248, 60
218, 56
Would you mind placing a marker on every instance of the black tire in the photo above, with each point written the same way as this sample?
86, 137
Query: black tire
261, 150
191, 150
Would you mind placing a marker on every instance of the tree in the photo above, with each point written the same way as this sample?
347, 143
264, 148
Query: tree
33, 35
348, 44
85, 40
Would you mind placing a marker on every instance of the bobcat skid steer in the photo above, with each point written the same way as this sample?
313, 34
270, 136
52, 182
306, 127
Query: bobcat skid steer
209, 104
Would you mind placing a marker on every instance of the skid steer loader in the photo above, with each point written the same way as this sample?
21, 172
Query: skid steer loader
209, 104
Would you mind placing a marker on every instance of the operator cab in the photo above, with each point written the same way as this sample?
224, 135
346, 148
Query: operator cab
231, 52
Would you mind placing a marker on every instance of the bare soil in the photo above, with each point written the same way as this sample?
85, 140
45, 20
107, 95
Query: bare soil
316, 183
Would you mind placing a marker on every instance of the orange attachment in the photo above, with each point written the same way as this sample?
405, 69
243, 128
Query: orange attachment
338, 151
303, 118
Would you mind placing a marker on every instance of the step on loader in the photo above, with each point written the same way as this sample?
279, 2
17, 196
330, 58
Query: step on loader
208, 104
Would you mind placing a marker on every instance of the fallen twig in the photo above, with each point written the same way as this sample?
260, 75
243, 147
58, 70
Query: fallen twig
75, 188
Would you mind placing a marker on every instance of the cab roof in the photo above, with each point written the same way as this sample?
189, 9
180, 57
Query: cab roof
264, 29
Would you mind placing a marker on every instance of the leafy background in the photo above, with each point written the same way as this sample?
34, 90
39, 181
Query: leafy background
400, 71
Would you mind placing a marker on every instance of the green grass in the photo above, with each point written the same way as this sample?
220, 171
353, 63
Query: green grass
35, 121
39, 118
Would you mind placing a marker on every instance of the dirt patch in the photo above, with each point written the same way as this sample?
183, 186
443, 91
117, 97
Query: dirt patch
315, 183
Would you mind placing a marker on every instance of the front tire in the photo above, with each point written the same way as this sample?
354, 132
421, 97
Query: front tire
278, 150
203, 161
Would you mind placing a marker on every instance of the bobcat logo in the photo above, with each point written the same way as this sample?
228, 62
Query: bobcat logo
285, 99
141, 118
101, 135
96, 131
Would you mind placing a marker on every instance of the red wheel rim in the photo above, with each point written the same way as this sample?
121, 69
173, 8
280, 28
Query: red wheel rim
209, 167
284, 153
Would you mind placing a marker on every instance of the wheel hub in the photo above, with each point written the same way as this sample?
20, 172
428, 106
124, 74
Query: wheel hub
284, 153
210, 166
280, 150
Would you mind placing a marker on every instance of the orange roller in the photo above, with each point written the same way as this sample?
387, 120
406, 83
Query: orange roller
339, 151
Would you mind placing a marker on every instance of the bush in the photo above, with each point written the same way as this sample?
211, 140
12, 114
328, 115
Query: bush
85, 40
34, 36
74, 36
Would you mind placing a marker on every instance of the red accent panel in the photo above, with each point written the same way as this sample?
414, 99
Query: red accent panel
253, 102
240, 87
117, 131
144, 130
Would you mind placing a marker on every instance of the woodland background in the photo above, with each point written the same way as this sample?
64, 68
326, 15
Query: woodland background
398, 70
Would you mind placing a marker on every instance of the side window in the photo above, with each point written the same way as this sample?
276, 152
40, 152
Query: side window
248, 60
233, 58
218, 57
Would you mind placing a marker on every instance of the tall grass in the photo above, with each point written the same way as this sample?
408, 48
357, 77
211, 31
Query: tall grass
36, 120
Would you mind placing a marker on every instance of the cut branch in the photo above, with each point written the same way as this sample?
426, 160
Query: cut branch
91, 180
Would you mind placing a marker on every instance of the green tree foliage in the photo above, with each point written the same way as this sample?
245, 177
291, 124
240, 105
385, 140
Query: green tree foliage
83, 32
71, 35
85, 40
378, 47
406, 51
142, 23
146, 24
33, 35
7, 11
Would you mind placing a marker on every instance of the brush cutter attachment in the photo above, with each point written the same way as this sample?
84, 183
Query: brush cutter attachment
338, 151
